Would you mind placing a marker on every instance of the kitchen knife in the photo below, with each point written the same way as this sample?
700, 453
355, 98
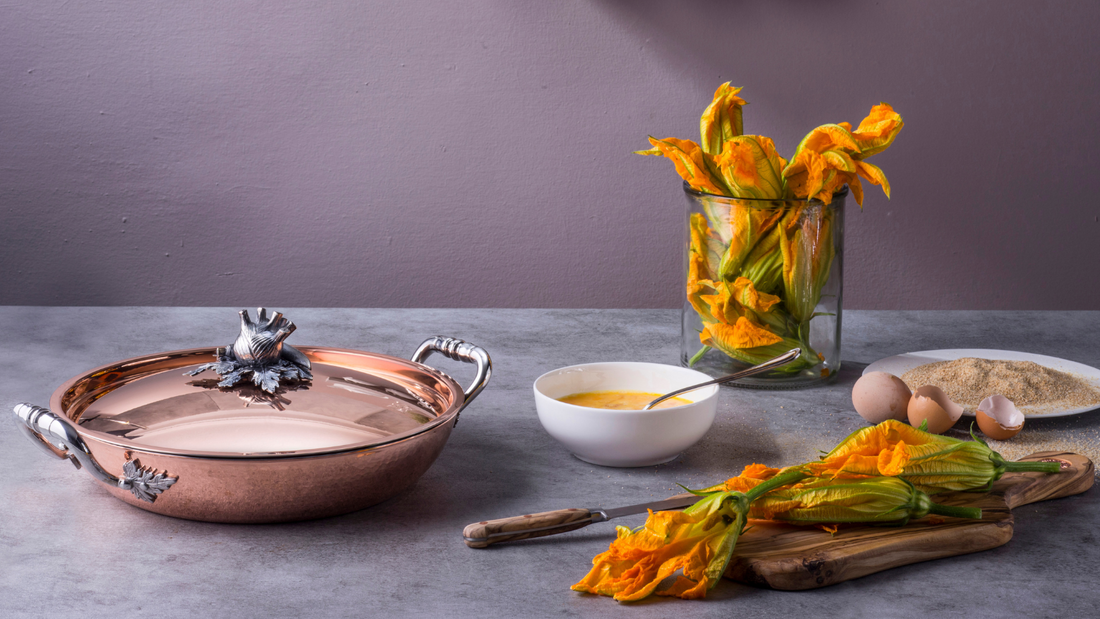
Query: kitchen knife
486, 532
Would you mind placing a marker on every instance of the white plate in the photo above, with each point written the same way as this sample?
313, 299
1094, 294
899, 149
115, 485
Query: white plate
900, 364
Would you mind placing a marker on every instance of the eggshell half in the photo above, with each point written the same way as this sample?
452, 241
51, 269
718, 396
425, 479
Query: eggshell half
998, 418
931, 403
878, 396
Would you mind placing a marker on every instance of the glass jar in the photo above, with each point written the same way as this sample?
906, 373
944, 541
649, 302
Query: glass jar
763, 277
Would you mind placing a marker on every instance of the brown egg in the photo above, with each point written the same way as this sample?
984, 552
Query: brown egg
932, 404
999, 418
878, 396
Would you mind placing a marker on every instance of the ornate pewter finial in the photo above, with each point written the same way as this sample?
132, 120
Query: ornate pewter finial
259, 350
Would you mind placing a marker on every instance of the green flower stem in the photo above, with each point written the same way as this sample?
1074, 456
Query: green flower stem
955, 512
809, 355
782, 479
698, 356
1032, 467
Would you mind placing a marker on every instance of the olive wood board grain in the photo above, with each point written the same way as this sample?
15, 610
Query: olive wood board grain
794, 558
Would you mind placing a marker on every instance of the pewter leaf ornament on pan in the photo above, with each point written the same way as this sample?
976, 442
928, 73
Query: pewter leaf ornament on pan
144, 483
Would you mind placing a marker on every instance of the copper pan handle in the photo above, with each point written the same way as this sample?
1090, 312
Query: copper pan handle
59, 438
456, 349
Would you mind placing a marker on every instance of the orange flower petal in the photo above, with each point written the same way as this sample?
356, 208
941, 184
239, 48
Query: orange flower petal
829, 137
806, 174
686, 589
877, 131
872, 173
839, 160
690, 162
703, 260
752, 476
751, 167
885, 449
747, 294
737, 166
857, 189
721, 121
760, 471
742, 334
891, 462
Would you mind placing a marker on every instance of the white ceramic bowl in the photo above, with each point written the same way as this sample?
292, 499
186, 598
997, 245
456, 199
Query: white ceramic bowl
618, 437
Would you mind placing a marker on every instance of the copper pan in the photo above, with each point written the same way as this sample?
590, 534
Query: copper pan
363, 428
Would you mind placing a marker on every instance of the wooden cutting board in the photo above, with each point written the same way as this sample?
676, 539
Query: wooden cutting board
794, 558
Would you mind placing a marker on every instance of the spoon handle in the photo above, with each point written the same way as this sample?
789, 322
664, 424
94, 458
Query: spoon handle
783, 359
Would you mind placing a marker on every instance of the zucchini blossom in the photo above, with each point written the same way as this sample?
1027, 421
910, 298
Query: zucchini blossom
873, 499
931, 462
698, 541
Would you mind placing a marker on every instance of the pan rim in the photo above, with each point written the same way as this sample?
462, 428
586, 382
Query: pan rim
447, 416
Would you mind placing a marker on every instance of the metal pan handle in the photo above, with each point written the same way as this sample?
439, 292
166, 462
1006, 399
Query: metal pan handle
465, 352
59, 438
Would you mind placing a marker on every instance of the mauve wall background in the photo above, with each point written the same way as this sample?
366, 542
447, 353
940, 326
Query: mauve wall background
478, 153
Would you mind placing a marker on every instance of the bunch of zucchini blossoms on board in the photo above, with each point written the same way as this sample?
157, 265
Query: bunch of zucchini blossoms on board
881, 474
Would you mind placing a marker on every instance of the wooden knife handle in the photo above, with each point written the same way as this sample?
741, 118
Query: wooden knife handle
1075, 477
486, 532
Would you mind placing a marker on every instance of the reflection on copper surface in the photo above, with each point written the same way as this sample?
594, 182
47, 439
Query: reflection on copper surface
343, 407
251, 394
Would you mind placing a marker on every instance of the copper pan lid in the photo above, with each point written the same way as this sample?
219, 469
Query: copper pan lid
334, 400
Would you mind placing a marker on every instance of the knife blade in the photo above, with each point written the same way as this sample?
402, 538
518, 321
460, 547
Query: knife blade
487, 532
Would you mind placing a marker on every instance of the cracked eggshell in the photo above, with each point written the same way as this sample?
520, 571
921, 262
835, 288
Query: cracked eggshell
998, 418
931, 403
878, 396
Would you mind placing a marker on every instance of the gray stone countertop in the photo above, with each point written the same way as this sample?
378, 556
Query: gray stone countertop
67, 548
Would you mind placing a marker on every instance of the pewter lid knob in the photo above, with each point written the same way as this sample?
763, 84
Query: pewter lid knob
259, 353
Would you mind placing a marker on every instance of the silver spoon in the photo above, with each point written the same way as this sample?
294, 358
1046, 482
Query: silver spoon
783, 359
